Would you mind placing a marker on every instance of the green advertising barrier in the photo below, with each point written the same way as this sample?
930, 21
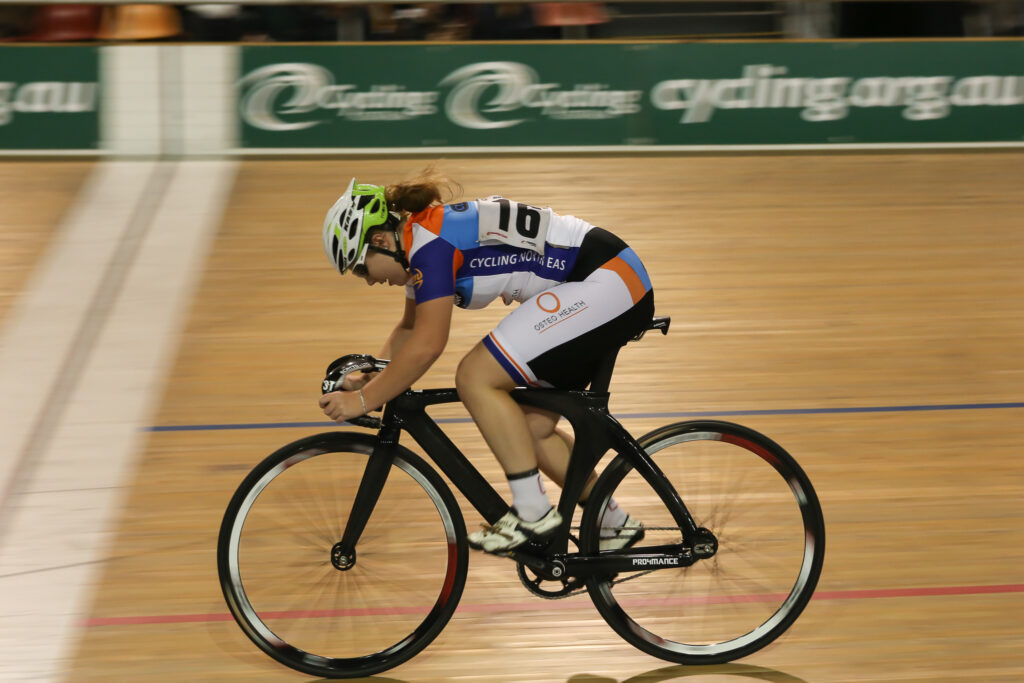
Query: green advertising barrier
587, 95
49, 98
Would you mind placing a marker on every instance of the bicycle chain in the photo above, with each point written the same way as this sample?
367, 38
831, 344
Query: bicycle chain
576, 592
614, 582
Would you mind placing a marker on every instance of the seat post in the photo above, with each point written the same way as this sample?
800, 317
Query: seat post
603, 374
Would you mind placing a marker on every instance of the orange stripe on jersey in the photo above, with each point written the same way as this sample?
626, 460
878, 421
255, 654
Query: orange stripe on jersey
629, 276
512, 360
430, 219
456, 262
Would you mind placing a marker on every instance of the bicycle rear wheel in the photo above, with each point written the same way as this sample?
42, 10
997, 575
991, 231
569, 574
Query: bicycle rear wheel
756, 500
276, 572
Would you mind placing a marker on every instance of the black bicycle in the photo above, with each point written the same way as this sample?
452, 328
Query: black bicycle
344, 554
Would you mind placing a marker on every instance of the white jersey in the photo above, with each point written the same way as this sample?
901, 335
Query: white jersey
479, 251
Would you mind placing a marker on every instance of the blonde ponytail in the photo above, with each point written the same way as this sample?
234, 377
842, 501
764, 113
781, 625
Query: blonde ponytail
428, 188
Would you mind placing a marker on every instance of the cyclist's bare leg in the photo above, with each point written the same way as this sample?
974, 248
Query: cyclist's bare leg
484, 387
553, 446
519, 443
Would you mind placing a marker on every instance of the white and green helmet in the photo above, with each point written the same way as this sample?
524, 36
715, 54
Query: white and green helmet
357, 211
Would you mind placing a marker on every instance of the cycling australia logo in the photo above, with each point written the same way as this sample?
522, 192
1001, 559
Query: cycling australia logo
488, 95
46, 97
296, 95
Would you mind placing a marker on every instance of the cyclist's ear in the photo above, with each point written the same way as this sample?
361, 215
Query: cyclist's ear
379, 238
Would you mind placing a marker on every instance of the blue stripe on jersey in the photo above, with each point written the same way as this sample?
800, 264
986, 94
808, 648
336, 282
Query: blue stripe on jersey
461, 229
459, 226
633, 261
560, 261
555, 264
431, 268
463, 291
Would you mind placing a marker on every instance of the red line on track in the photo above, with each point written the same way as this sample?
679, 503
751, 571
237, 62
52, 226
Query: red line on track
865, 594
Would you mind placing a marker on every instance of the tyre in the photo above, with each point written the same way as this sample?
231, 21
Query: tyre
760, 506
278, 578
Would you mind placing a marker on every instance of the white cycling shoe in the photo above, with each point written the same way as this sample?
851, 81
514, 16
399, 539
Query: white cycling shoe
626, 536
510, 532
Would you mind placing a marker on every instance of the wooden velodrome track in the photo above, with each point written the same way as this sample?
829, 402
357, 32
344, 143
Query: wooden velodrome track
873, 304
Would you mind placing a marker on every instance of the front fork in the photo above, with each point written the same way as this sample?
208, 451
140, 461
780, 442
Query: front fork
378, 465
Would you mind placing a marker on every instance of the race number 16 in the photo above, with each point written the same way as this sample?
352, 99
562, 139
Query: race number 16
527, 217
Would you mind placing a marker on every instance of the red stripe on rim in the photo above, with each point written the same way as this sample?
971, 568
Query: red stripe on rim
753, 447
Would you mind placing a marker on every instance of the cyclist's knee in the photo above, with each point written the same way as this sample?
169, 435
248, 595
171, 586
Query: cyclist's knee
464, 384
479, 370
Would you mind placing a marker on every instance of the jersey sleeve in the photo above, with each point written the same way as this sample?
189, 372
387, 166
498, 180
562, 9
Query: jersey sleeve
433, 272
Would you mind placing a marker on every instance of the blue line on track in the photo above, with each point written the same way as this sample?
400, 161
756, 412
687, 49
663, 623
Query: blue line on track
625, 416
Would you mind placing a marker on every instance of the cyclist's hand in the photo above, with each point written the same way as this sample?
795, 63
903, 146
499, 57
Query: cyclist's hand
357, 380
341, 405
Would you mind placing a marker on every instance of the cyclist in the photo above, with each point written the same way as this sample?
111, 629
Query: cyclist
582, 291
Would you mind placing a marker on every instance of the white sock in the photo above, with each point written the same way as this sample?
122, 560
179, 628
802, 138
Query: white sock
528, 495
613, 516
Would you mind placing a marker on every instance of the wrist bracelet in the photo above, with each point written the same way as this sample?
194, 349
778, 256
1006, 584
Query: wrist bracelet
363, 401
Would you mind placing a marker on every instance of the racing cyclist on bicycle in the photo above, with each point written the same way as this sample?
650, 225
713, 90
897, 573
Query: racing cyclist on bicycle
582, 292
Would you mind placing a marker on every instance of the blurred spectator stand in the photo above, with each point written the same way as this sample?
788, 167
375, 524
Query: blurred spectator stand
572, 18
62, 24
220, 22
139, 22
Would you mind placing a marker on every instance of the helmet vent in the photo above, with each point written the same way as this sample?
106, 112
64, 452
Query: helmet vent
361, 208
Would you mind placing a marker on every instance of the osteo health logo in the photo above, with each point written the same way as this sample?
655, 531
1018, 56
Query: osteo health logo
546, 305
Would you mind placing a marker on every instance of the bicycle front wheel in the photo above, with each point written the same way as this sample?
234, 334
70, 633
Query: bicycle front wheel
760, 506
276, 569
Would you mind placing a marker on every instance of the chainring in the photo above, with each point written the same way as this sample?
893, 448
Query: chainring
570, 586
565, 587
